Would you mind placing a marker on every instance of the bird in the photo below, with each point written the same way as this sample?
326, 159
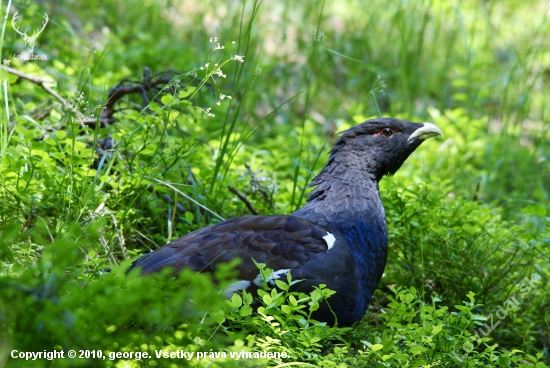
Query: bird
338, 238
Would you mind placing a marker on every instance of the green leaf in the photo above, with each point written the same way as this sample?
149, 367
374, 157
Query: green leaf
245, 311
417, 350
287, 309
166, 99
504, 360
377, 347
292, 300
154, 106
189, 216
281, 285
407, 298
248, 299
186, 92
402, 357
437, 329
236, 300
316, 295
535, 209
19, 128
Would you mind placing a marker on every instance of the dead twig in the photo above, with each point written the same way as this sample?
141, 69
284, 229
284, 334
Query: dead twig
106, 117
42, 83
119, 91
243, 198
38, 81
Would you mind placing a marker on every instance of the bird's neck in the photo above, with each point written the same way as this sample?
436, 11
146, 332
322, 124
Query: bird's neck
347, 202
344, 195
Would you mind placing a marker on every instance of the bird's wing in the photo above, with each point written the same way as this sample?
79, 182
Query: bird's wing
281, 242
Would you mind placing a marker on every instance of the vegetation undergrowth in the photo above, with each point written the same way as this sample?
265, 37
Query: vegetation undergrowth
234, 112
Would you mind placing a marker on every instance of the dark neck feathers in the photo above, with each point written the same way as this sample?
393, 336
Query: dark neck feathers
345, 192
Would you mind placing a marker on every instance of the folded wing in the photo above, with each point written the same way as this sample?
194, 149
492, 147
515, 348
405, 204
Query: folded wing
281, 242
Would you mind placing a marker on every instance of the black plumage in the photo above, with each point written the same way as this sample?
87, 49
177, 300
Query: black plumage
338, 238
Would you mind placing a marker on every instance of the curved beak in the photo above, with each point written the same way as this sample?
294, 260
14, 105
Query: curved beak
428, 130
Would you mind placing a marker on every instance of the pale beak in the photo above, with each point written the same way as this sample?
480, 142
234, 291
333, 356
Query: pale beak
427, 131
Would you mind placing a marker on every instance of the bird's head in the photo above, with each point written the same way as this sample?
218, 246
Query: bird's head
380, 146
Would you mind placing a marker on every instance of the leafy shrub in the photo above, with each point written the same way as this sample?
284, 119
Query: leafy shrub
60, 302
431, 234
409, 333
450, 246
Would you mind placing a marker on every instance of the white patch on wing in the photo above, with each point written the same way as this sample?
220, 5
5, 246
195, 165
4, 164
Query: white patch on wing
236, 286
275, 275
330, 239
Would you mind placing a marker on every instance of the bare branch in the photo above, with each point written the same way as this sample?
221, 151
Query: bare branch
243, 198
84, 120
38, 81
115, 94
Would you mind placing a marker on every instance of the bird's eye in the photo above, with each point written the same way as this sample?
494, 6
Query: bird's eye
387, 132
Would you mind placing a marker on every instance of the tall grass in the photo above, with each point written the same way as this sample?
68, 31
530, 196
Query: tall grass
5, 117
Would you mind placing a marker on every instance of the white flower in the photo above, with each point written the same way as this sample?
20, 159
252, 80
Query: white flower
220, 73
238, 58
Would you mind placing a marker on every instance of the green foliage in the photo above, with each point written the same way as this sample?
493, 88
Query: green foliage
449, 246
283, 322
63, 302
417, 334
410, 333
433, 233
